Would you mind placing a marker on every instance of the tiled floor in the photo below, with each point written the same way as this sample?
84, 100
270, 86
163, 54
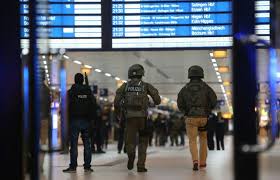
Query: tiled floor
169, 163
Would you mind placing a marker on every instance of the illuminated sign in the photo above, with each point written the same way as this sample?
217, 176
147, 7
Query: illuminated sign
178, 23
71, 24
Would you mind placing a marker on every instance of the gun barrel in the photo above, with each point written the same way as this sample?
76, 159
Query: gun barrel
86, 79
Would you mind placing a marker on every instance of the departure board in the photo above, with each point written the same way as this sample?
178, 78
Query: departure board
178, 23
72, 24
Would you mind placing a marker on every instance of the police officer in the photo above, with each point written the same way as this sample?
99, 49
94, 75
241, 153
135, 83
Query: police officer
134, 95
81, 106
196, 100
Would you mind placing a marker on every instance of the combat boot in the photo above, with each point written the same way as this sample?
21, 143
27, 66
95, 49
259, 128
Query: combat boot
142, 170
130, 163
195, 165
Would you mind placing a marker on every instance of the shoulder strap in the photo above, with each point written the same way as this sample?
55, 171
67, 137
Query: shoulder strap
126, 86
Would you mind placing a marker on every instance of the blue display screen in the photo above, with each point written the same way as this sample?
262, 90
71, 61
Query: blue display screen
136, 22
143, 23
176, 7
67, 9
66, 19
173, 19
162, 31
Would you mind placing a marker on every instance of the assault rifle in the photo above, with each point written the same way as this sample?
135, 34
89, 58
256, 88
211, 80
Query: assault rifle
86, 79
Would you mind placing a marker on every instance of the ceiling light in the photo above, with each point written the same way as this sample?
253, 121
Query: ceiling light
77, 62
211, 54
48, 75
218, 74
216, 69
88, 66
278, 74
223, 69
66, 57
220, 53
220, 80
46, 67
219, 77
43, 57
107, 74
215, 64
213, 60
124, 81
228, 93
226, 83
97, 70
117, 78
45, 62
223, 89
47, 71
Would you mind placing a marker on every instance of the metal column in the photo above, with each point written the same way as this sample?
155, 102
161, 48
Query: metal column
244, 91
11, 126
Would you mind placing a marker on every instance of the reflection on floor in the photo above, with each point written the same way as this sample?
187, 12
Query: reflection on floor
169, 163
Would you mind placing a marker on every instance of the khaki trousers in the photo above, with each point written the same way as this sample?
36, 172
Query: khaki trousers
192, 131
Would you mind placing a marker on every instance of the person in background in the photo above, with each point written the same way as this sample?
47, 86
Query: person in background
182, 132
196, 100
150, 129
45, 115
211, 128
121, 129
96, 136
175, 127
220, 132
157, 129
163, 130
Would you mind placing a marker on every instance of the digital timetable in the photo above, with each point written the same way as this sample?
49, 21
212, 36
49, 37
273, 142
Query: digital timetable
70, 23
178, 23
139, 24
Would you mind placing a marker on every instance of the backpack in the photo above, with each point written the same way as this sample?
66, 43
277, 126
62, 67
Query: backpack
135, 96
196, 99
81, 102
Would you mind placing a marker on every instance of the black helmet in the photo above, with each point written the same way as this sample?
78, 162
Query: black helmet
195, 71
136, 70
79, 78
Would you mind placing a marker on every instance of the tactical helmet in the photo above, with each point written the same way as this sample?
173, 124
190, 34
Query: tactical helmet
195, 71
136, 70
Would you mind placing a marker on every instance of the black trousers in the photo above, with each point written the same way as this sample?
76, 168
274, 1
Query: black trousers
210, 139
121, 139
96, 139
220, 141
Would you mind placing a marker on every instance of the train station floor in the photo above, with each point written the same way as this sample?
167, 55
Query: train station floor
168, 163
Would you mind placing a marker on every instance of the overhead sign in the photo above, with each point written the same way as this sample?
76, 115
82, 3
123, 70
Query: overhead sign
178, 23
70, 23
138, 24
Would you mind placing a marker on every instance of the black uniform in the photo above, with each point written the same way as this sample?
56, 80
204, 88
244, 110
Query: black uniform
220, 132
211, 128
82, 105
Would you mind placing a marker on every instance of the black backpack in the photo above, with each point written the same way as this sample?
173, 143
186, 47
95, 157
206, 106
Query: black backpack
196, 99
